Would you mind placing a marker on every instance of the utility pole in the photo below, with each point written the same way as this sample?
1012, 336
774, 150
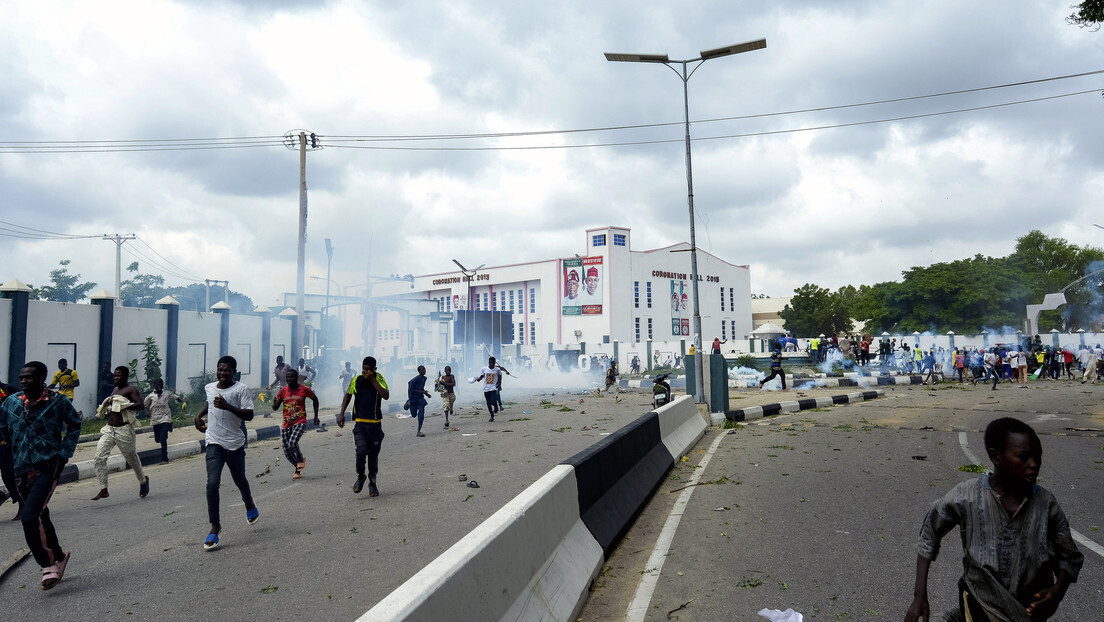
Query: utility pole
216, 283
326, 309
303, 140
118, 240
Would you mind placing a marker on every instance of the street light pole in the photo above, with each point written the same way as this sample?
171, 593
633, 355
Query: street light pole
699, 381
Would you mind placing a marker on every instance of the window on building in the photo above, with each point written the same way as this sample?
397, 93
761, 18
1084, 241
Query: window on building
448, 303
485, 307
532, 300
521, 301
636, 294
722, 299
724, 334
521, 332
598, 240
532, 333
731, 307
649, 294
636, 321
649, 328
619, 239
513, 335
511, 301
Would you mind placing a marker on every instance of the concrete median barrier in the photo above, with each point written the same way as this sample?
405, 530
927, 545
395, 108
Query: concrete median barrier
533, 559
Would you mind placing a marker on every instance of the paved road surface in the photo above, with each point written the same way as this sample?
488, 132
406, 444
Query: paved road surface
819, 511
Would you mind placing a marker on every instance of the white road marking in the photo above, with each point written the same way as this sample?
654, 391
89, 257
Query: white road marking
639, 606
1077, 536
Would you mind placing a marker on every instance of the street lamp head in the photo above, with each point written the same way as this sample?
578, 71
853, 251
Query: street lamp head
739, 48
636, 58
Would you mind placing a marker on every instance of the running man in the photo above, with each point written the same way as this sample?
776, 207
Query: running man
775, 369
490, 377
447, 386
293, 397
366, 391
160, 414
119, 409
42, 429
416, 393
229, 404
65, 380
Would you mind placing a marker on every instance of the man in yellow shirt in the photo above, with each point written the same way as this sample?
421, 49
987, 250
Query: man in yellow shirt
65, 380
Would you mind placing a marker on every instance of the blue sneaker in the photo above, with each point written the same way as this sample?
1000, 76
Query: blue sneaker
252, 516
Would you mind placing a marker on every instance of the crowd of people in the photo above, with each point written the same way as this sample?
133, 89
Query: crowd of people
1013, 363
40, 428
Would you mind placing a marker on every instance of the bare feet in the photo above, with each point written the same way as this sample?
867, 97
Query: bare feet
101, 495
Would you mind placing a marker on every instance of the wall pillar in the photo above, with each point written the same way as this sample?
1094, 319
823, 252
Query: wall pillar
106, 302
266, 343
20, 295
223, 311
172, 339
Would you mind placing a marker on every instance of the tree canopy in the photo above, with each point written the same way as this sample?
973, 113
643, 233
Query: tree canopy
64, 287
1088, 14
965, 295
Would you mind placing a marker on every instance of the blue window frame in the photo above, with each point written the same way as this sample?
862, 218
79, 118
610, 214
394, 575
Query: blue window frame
598, 240
619, 239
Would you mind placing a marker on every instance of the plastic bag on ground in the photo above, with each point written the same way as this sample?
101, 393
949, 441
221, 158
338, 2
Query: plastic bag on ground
775, 615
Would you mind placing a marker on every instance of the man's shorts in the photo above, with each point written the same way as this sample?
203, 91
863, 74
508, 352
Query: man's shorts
448, 399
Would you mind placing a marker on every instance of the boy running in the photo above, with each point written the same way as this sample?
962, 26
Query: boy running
160, 414
42, 429
230, 404
490, 377
119, 431
367, 392
1019, 556
293, 396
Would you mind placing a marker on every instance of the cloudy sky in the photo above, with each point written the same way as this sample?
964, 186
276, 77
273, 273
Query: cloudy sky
852, 204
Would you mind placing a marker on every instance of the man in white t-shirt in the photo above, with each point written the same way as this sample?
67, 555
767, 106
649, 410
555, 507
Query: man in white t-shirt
1088, 364
490, 377
229, 404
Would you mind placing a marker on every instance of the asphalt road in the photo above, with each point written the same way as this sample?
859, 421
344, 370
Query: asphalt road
319, 551
820, 510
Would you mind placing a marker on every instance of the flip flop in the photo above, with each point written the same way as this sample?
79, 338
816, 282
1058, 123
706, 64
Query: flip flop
211, 543
473, 484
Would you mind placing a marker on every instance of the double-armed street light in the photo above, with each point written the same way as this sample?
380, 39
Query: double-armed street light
684, 75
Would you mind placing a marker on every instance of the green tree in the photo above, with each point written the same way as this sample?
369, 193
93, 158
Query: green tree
1088, 14
142, 290
814, 310
65, 287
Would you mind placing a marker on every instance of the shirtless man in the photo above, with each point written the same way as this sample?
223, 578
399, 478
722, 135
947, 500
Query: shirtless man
119, 432
447, 387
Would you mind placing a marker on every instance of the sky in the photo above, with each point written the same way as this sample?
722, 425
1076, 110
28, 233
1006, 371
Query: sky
789, 176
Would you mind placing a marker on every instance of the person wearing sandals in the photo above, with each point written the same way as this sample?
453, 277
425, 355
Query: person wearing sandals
229, 404
293, 397
42, 429
447, 386
416, 397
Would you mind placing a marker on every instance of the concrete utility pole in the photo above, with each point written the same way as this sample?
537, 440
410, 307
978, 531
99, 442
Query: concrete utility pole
118, 240
216, 283
304, 141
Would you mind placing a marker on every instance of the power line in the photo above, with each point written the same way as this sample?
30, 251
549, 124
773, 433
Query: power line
246, 142
178, 268
726, 136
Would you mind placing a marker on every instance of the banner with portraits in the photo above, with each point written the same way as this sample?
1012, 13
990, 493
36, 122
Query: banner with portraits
680, 309
583, 284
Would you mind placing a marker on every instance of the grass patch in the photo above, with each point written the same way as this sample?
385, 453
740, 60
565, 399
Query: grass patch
972, 468
567, 409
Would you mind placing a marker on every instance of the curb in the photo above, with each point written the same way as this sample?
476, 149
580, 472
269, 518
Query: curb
76, 471
536, 557
755, 412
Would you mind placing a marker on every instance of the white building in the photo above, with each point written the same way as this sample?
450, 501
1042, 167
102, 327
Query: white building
607, 297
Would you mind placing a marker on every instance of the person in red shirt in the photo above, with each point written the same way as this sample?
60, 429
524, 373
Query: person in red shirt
293, 397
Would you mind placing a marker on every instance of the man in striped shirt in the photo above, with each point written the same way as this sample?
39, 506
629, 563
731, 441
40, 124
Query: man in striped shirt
1019, 557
